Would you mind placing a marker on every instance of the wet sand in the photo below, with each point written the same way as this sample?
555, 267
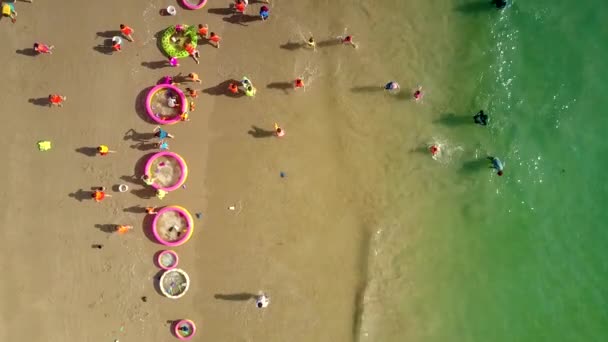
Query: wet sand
297, 238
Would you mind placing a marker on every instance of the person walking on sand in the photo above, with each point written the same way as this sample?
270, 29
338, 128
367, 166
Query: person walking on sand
240, 6
116, 44
311, 43
161, 133
193, 77
160, 194
56, 100
41, 48
103, 150
203, 31
123, 228
192, 51
151, 210
162, 145
233, 88
298, 83
127, 32
278, 131
348, 40
264, 12
496, 164
262, 301
215, 40
99, 194
392, 87
193, 93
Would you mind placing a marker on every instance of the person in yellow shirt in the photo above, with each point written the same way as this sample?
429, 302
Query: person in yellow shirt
104, 150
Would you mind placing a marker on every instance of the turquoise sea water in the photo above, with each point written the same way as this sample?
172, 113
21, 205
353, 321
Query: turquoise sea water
464, 255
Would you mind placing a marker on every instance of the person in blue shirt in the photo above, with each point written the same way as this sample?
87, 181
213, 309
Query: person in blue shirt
161, 133
496, 164
264, 12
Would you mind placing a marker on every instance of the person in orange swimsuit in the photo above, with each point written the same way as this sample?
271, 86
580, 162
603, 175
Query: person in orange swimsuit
127, 32
193, 77
192, 51
203, 31
43, 48
233, 88
193, 93
99, 194
215, 39
56, 100
123, 228
240, 6
151, 211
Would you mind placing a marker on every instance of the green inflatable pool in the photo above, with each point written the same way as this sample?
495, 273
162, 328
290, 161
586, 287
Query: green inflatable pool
176, 49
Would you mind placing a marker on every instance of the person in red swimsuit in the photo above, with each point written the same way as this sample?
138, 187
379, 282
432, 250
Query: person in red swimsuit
192, 51
240, 6
56, 100
127, 32
43, 48
215, 39
203, 30
298, 83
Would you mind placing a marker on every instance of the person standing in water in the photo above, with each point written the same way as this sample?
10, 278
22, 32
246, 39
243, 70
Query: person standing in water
311, 43
392, 87
500, 4
481, 118
418, 94
496, 164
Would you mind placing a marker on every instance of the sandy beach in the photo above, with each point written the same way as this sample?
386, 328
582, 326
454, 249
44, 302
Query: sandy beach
299, 238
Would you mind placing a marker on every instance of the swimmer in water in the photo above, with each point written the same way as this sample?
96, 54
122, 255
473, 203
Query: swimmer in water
418, 94
481, 118
392, 87
496, 164
500, 4
299, 83
311, 43
434, 149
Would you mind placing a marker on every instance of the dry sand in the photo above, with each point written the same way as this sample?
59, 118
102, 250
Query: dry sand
297, 238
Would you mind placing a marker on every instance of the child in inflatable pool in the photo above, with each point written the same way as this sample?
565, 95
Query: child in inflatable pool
43, 48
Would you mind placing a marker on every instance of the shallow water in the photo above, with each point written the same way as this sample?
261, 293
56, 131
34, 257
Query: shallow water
460, 254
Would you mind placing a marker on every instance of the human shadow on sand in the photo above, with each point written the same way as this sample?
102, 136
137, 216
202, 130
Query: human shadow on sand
135, 209
133, 179
329, 42
243, 296
41, 101
156, 279
27, 52
241, 19
292, 46
145, 146
155, 65
284, 86
222, 89
87, 151
258, 132
139, 168
133, 135
80, 195
104, 48
451, 120
106, 228
140, 105
144, 193
367, 89
109, 33
221, 11
147, 227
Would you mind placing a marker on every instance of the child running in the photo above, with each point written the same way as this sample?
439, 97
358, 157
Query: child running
41, 48
56, 100
215, 40
127, 32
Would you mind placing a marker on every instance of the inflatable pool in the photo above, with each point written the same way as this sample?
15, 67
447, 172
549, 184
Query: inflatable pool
167, 170
188, 5
175, 48
172, 226
174, 283
184, 329
159, 117
167, 259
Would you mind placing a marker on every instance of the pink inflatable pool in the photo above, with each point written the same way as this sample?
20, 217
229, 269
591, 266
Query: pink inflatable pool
172, 226
184, 329
168, 170
183, 104
188, 5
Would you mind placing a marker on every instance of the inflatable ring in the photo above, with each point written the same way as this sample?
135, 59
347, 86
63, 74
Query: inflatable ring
181, 335
174, 283
169, 47
172, 257
183, 106
180, 161
190, 6
189, 226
